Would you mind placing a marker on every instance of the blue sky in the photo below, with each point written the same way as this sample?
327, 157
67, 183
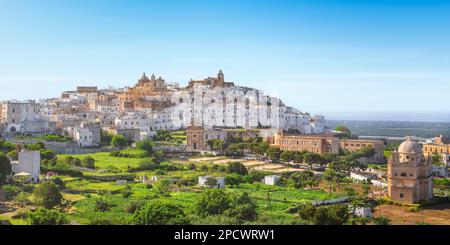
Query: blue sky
319, 56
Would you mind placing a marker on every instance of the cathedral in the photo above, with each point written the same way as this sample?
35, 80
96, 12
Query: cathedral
148, 93
410, 174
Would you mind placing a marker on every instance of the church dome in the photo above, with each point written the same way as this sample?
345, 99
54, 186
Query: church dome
410, 146
144, 78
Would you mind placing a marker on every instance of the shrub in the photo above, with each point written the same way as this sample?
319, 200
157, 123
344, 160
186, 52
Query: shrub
130, 153
215, 167
237, 167
10, 191
13, 155
217, 202
414, 209
211, 182
162, 187
21, 200
36, 146
162, 135
44, 216
149, 165
381, 220
88, 162
127, 192
5, 167
213, 202
168, 166
119, 141
221, 169
76, 162
204, 168
59, 182
306, 211
102, 205
244, 208
159, 213
332, 215
234, 180
68, 160
48, 154
20, 214
192, 166
132, 206
55, 138
146, 145
47, 195
160, 172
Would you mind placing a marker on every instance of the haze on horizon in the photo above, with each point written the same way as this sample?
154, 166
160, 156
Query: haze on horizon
343, 59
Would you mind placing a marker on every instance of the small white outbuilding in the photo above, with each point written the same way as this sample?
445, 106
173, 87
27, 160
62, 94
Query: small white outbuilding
271, 179
220, 181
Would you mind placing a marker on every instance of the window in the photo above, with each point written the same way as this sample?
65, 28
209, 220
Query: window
401, 195
403, 175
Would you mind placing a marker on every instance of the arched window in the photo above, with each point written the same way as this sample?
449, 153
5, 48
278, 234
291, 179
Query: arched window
403, 174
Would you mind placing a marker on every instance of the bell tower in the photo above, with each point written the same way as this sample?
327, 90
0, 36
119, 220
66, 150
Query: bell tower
220, 79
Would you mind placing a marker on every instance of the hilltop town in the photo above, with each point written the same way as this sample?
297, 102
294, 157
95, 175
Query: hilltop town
151, 105
109, 156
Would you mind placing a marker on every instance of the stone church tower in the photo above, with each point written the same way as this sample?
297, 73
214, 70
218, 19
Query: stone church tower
220, 79
410, 174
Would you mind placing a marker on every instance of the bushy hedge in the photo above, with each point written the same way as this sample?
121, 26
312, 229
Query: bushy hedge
151, 164
130, 153
44, 216
54, 138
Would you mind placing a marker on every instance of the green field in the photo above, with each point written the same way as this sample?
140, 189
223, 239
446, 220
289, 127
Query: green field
281, 199
104, 160
83, 193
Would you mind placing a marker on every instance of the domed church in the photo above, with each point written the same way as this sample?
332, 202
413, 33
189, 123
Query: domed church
410, 177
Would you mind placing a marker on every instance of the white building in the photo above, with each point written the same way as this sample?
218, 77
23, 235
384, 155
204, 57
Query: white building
271, 179
220, 181
24, 117
364, 212
28, 162
87, 135
440, 171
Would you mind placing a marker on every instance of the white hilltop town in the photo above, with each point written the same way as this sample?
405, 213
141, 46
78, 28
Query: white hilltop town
211, 133
152, 104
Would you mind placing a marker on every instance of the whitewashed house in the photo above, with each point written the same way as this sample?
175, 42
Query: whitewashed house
29, 162
271, 179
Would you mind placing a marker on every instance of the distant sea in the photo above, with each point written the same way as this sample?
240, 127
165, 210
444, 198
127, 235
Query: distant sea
400, 116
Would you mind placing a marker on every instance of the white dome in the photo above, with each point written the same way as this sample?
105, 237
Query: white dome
410, 146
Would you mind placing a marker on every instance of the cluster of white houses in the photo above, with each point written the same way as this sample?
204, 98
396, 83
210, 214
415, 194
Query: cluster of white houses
138, 112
